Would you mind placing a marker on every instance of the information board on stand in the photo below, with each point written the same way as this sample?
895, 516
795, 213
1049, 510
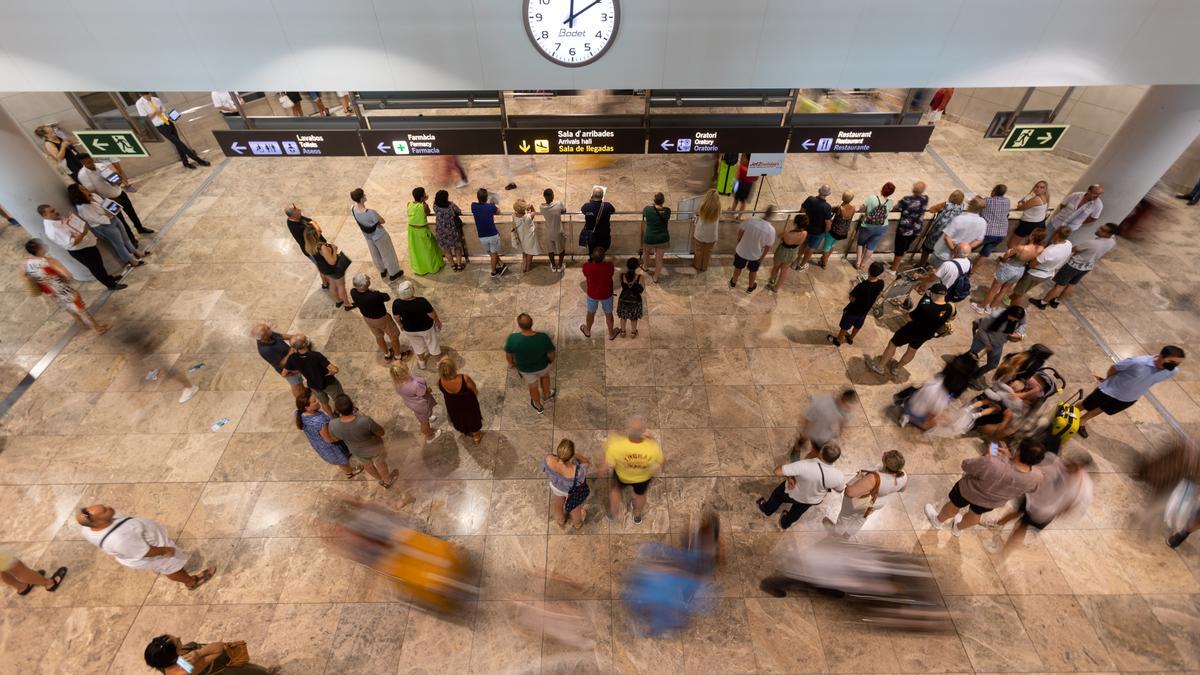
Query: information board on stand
577, 141
685, 140
275, 143
860, 139
401, 142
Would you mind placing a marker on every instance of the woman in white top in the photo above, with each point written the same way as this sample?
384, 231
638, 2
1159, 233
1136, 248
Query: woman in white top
94, 210
1033, 212
526, 232
704, 234
868, 493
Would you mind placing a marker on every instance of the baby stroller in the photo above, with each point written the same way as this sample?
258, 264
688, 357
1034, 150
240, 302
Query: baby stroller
896, 293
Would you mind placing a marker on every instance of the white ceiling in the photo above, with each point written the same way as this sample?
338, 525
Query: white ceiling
199, 45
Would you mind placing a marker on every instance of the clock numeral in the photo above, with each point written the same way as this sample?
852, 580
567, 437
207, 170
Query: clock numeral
604, 16
545, 34
557, 45
571, 51
587, 46
544, 2
599, 35
537, 17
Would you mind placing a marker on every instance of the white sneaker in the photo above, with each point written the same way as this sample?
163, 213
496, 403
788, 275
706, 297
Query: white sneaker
433, 418
436, 435
954, 526
932, 514
188, 393
978, 309
461, 183
904, 420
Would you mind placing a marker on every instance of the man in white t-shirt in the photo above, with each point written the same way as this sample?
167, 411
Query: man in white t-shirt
967, 228
1079, 208
947, 272
806, 484
755, 237
151, 107
1086, 253
1041, 268
139, 543
224, 101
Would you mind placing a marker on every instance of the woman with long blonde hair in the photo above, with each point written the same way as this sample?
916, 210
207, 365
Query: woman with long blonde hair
704, 235
325, 255
1033, 212
461, 395
417, 397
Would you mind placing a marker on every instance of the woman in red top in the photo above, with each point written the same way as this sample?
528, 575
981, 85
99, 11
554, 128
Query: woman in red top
599, 275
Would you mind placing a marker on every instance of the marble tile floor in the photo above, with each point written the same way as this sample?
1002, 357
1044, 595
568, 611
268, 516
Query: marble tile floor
720, 377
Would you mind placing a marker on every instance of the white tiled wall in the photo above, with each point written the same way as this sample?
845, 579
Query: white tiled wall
1094, 113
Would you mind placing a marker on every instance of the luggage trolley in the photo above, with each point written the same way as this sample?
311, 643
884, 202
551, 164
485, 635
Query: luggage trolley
896, 293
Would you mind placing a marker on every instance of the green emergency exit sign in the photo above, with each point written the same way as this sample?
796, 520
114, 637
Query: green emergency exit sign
112, 143
1031, 137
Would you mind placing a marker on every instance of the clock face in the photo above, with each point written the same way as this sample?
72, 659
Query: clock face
572, 32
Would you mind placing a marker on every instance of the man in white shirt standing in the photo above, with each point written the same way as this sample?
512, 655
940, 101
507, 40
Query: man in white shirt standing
76, 238
224, 101
966, 228
139, 543
1079, 208
1084, 256
755, 237
107, 180
150, 107
806, 484
1043, 267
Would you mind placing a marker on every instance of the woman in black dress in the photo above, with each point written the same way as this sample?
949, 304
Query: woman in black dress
629, 303
326, 257
462, 400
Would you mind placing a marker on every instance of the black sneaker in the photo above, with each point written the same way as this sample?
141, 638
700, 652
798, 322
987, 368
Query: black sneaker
501, 269
397, 275
732, 283
145, 230
189, 166
1083, 432
1176, 539
536, 407
751, 287
1053, 303
117, 287
203, 162
1037, 303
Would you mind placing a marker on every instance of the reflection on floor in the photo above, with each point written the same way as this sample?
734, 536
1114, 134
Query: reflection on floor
721, 377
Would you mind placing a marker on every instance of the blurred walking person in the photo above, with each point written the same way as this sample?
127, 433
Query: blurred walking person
988, 482
1066, 488
21, 578
48, 277
867, 493
634, 459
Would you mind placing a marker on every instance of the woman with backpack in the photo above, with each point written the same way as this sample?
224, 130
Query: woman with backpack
567, 472
873, 224
867, 493
990, 335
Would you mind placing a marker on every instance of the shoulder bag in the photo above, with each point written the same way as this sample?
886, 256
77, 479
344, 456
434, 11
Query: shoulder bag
578, 493
112, 529
866, 503
365, 229
840, 227
343, 263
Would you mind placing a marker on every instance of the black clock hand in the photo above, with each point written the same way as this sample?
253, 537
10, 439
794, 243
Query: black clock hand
571, 19
571, 15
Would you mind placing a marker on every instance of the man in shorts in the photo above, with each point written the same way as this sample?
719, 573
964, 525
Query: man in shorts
20, 577
755, 237
862, 299
484, 211
318, 372
274, 349
820, 217
930, 314
1045, 266
1066, 488
1127, 381
1087, 252
531, 353
419, 321
139, 543
989, 482
634, 459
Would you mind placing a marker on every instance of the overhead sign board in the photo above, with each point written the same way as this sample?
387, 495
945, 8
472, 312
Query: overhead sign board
401, 142
278, 143
1033, 137
668, 140
111, 143
577, 141
766, 164
860, 139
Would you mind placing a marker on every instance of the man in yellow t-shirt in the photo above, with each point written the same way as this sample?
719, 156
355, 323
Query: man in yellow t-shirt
634, 459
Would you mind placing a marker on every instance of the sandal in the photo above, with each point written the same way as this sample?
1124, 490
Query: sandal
355, 472
57, 578
25, 591
633, 334
620, 332
613, 335
583, 329
201, 579
582, 520
350, 307
392, 476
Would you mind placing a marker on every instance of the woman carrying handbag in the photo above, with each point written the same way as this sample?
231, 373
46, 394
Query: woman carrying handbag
170, 655
867, 492
567, 472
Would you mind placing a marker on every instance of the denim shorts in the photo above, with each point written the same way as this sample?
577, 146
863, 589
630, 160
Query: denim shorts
606, 303
870, 235
815, 241
989, 245
491, 244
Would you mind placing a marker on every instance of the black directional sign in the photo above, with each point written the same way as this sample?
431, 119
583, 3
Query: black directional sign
276, 143
860, 139
407, 142
684, 140
583, 141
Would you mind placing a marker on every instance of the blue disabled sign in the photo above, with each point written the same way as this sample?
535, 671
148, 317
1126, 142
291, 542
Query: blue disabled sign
111, 143
277, 143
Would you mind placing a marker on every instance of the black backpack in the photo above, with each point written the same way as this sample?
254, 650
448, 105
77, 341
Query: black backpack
961, 288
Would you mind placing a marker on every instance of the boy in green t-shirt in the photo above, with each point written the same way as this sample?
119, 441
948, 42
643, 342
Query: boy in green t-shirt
531, 353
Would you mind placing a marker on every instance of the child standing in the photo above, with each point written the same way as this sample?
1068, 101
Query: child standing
629, 303
862, 298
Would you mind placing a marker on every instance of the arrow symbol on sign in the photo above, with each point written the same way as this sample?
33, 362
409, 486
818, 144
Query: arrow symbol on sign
524, 146
100, 144
239, 149
667, 144
382, 147
807, 143
1045, 138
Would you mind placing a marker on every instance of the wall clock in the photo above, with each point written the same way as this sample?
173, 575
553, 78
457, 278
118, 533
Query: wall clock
572, 33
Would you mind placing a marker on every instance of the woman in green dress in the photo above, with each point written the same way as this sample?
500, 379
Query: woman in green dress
423, 252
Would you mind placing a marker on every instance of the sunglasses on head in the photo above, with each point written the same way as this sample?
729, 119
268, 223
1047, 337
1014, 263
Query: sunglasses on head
86, 515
